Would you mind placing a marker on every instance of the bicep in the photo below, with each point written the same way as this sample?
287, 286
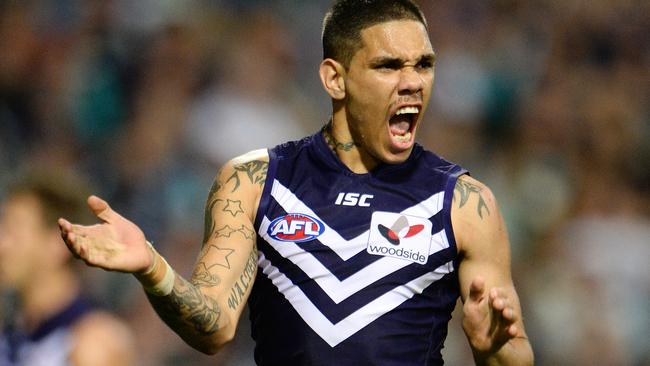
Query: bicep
481, 236
227, 263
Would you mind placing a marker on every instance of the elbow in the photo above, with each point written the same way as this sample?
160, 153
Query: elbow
212, 344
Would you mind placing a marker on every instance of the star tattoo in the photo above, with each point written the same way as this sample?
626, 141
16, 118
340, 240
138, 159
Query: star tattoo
221, 257
224, 231
234, 207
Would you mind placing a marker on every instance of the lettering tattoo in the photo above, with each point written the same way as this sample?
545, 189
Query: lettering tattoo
187, 306
464, 190
255, 171
245, 280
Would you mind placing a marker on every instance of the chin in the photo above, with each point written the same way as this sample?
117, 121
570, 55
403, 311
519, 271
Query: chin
396, 157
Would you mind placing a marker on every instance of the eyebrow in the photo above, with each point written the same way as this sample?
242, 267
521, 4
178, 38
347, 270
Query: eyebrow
429, 57
386, 60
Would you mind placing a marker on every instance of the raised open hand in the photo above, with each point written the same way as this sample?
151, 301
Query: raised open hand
115, 244
489, 318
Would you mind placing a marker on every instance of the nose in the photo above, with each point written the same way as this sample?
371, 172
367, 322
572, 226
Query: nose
411, 81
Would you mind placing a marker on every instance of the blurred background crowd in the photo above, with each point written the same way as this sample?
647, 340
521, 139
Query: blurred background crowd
546, 101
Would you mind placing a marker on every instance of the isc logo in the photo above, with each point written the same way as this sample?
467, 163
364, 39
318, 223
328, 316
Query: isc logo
353, 199
295, 227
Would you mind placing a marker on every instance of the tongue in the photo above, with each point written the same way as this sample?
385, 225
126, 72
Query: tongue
399, 125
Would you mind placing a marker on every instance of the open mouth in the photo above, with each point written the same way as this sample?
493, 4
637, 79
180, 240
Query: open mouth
402, 123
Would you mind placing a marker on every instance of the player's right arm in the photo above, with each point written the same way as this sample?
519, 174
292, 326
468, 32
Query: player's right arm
205, 309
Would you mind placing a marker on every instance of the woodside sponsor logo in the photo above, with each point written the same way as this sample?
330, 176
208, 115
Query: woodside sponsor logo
400, 236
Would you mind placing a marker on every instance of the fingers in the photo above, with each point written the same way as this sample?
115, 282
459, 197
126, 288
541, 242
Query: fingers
64, 225
491, 315
503, 311
500, 303
477, 289
100, 208
93, 244
71, 241
73, 236
78, 243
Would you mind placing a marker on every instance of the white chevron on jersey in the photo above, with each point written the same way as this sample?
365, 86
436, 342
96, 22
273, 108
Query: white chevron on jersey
340, 290
334, 334
346, 249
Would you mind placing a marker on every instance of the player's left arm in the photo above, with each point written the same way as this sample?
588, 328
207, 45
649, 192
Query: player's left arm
492, 318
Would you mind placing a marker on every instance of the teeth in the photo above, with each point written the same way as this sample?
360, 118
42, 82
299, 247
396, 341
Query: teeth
407, 110
403, 138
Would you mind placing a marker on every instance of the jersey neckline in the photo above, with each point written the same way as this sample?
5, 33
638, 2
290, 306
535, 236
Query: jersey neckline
330, 158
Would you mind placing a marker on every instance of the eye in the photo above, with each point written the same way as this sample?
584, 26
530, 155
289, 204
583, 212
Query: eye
388, 65
425, 64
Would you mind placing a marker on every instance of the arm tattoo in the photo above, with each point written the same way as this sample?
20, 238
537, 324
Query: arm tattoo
209, 224
202, 277
187, 306
464, 190
231, 206
221, 256
245, 280
234, 207
247, 232
227, 231
224, 232
255, 170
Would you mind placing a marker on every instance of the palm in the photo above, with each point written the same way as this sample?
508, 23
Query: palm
487, 318
116, 244
477, 323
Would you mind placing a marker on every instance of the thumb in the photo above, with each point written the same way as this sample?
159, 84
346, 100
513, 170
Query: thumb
100, 208
477, 289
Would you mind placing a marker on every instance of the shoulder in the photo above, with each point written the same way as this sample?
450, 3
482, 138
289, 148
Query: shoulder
240, 181
437, 163
475, 214
470, 190
290, 149
251, 156
245, 170
105, 329
253, 161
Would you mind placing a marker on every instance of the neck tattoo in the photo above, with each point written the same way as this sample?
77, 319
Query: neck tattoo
332, 142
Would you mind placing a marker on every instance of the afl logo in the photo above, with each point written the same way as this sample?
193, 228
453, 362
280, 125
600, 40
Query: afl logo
295, 227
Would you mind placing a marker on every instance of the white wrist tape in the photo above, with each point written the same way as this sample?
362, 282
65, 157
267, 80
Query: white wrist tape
163, 287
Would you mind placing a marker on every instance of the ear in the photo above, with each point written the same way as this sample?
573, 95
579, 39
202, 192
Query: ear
332, 75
